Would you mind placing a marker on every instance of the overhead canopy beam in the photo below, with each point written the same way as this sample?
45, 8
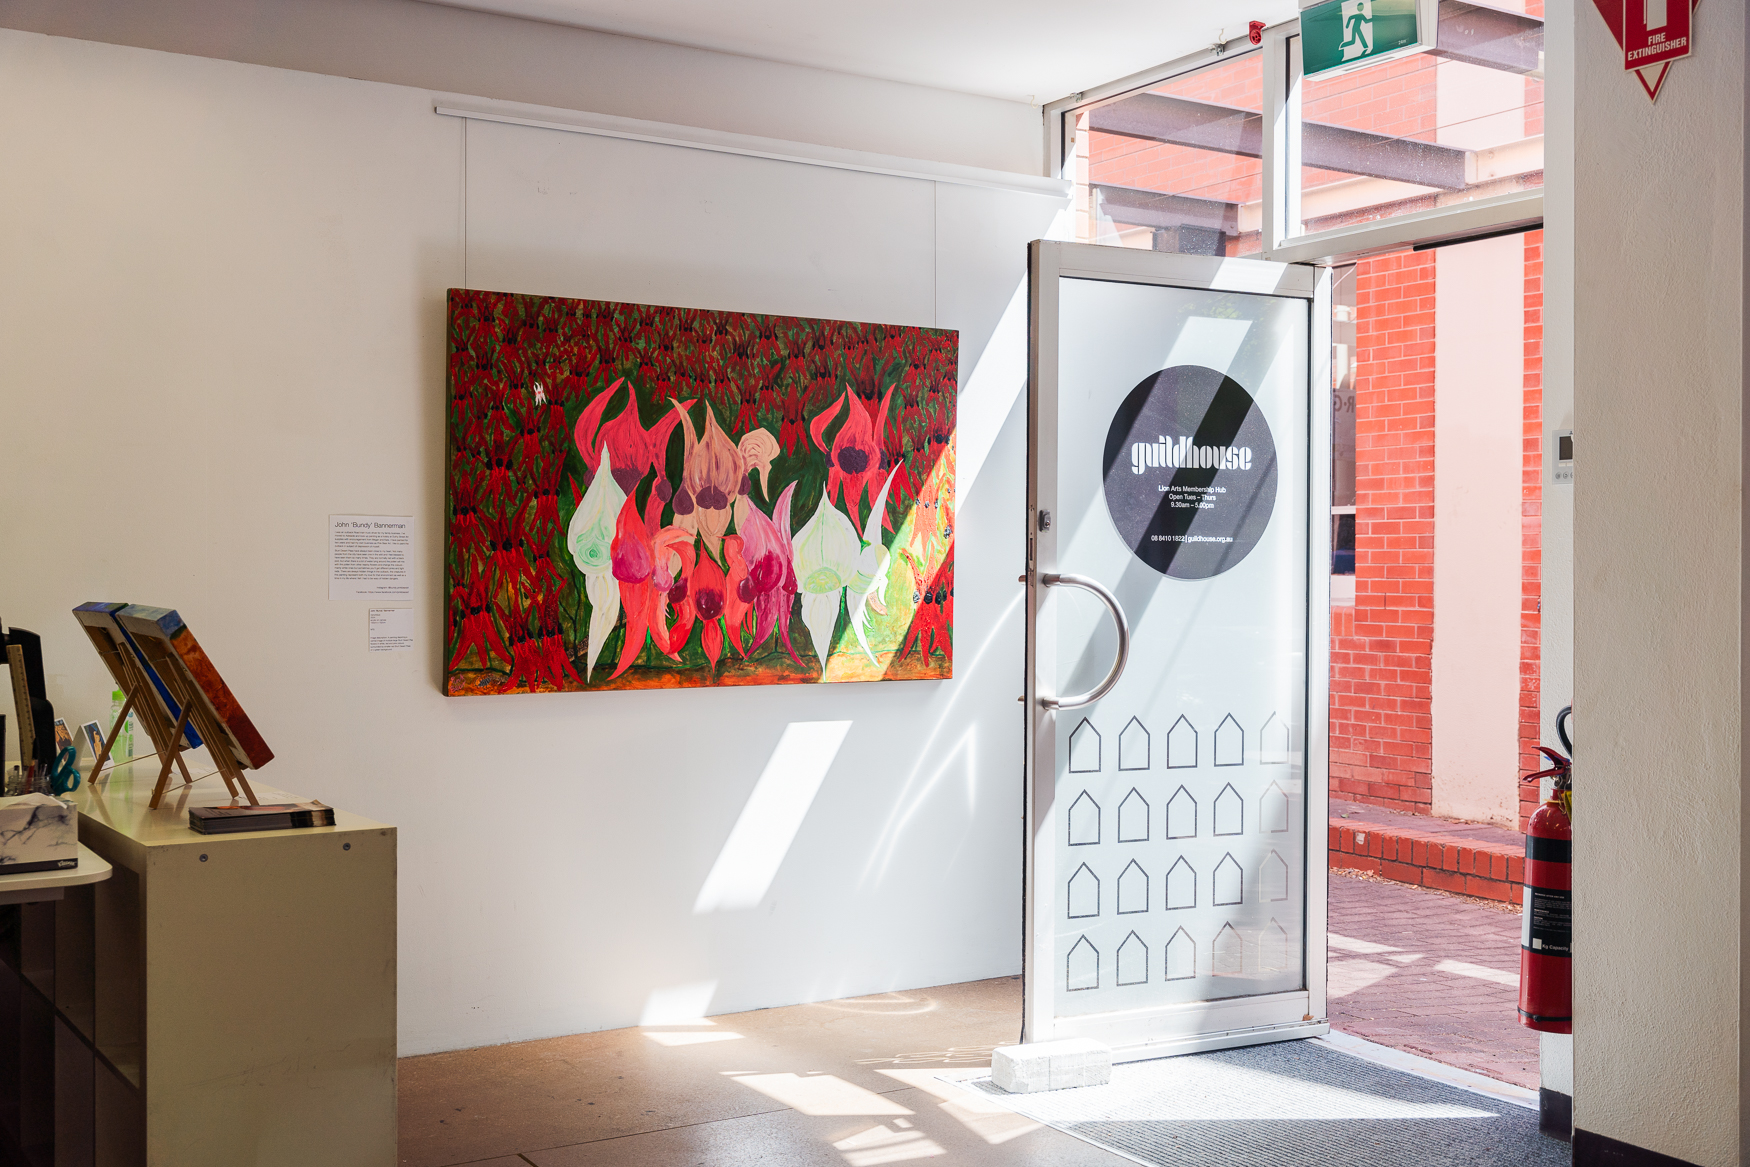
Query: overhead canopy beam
1178, 121
1150, 208
1475, 35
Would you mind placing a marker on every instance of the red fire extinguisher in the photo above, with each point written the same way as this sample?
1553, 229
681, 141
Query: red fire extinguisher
1546, 984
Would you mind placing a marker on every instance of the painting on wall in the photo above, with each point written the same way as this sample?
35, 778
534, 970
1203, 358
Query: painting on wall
648, 497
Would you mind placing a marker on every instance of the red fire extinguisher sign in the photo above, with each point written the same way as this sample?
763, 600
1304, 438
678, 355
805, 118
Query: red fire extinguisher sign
1654, 31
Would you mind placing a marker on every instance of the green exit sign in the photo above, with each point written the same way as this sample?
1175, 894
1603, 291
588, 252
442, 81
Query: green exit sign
1339, 35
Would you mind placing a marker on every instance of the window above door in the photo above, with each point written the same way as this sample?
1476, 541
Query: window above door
1235, 152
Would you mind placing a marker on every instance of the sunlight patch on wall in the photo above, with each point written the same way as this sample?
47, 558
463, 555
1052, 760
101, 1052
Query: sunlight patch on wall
774, 812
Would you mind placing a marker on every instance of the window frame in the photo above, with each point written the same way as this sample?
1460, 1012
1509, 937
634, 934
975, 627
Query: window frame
1515, 211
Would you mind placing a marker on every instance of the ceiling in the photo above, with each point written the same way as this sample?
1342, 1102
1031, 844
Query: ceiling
1020, 50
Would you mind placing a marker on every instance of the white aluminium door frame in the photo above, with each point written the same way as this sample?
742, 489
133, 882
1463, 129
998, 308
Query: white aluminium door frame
1221, 1023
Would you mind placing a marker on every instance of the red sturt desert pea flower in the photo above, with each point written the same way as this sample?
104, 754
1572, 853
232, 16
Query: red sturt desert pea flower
525, 653
510, 560
683, 556
465, 533
855, 455
641, 565
792, 430
935, 611
556, 664
635, 450
478, 632
546, 522
634, 565
708, 591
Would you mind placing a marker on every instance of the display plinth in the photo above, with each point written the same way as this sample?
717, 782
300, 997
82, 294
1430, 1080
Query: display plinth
239, 990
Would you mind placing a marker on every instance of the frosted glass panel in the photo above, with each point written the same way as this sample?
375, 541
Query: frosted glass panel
1182, 486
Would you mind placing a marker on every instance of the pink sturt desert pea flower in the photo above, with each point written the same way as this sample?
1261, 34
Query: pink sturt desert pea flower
855, 455
737, 588
710, 477
636, 450
757, 449
715, 473
589, 538
771, 573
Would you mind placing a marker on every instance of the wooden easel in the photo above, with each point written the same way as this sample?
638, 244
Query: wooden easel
135, 685
194, 708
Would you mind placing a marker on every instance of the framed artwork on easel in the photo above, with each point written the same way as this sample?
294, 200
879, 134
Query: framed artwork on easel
182, 700
133, 676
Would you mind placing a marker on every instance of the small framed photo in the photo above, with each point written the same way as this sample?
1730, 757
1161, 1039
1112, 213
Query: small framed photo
93, 735
64, 737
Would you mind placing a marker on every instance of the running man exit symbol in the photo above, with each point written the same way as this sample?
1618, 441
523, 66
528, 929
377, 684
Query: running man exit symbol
1357, 29
1337, 36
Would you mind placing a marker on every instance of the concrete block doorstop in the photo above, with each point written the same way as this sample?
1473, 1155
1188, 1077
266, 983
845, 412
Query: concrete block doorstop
1051, 1065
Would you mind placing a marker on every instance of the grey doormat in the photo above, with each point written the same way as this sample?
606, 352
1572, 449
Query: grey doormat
1292, 1104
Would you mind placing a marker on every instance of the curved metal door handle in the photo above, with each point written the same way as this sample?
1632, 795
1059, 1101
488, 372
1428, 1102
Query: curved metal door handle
1053, 580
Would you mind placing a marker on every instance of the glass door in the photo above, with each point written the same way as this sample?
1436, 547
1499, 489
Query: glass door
1178, 580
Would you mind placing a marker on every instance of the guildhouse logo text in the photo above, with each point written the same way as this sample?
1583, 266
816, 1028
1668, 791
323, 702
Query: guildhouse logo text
1183, 453
1189, 471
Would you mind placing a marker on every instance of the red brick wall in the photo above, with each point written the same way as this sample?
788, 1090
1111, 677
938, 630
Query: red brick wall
1397, 98
1531, 530
1381, 721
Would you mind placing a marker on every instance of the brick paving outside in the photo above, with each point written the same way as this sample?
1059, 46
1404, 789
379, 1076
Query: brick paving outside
1431, 974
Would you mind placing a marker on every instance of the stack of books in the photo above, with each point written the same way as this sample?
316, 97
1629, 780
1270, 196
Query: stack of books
282, 816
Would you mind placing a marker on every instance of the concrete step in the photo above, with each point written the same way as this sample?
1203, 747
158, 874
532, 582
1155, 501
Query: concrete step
1470, 858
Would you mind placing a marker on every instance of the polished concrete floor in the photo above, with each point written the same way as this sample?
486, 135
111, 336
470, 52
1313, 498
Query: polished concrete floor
839, 1083
856, 1083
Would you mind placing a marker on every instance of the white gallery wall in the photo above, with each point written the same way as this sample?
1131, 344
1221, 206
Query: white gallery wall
1659, 363
440, 48
222, 306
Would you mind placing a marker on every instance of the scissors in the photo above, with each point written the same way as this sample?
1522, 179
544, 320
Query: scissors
64, 774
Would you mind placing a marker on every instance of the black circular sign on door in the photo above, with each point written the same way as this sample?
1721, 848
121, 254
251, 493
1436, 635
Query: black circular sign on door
1190, 472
